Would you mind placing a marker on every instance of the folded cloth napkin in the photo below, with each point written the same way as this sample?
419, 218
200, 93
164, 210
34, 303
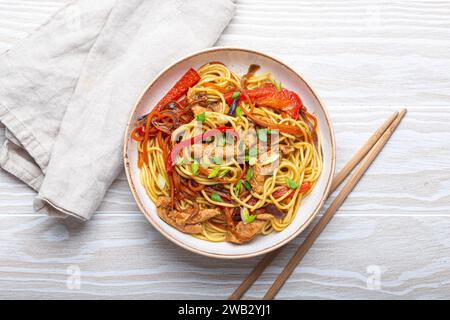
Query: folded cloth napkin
66, 91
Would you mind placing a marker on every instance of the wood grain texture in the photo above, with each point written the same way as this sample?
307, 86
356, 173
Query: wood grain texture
347, 188
366, 59
123, 257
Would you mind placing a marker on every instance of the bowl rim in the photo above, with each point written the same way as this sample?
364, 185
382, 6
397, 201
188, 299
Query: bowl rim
207, 253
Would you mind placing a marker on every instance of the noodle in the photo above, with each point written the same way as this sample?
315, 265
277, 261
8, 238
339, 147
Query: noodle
192, 184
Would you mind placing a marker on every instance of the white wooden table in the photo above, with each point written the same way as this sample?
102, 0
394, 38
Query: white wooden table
391, 238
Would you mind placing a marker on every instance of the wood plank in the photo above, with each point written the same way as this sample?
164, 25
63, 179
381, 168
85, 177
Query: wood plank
124, 257
354, 52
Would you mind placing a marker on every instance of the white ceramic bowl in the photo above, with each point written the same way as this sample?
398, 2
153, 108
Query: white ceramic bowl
238, 60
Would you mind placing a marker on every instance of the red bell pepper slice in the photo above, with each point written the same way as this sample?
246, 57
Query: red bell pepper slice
268, 96
305, 187
190, 78
283, 190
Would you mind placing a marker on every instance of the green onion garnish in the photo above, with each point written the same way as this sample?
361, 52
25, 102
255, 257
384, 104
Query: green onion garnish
239, 111
224, 173
253, 152
262, 134
201, 117
252, 156
291, 183
238, 186
217, 160
214, 173
249, 174
248, 186
246, 217
236, 94
241, 145
215, 197
161, 182
179, 161
194, 168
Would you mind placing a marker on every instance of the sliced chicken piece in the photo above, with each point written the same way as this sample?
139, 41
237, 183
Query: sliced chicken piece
186, 217
245, 232
164, 212
163, 203
197, 109
180, 217
203, 215
257, 181
189, 228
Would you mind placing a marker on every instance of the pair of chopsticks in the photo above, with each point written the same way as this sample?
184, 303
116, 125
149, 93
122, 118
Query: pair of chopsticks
367, 154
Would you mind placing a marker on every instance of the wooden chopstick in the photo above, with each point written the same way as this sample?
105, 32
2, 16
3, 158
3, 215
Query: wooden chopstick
337, 180
361, 153
334, 206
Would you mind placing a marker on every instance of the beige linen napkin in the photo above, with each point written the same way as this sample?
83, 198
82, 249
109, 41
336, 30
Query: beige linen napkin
66, 91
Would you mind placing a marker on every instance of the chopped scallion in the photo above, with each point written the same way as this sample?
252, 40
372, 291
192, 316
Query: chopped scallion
238, 186
217, 160
215, 197
214, 173
224, 173
291, 183
262, 134
194, 168
249, 174
246, 217
201, 117
160, 181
